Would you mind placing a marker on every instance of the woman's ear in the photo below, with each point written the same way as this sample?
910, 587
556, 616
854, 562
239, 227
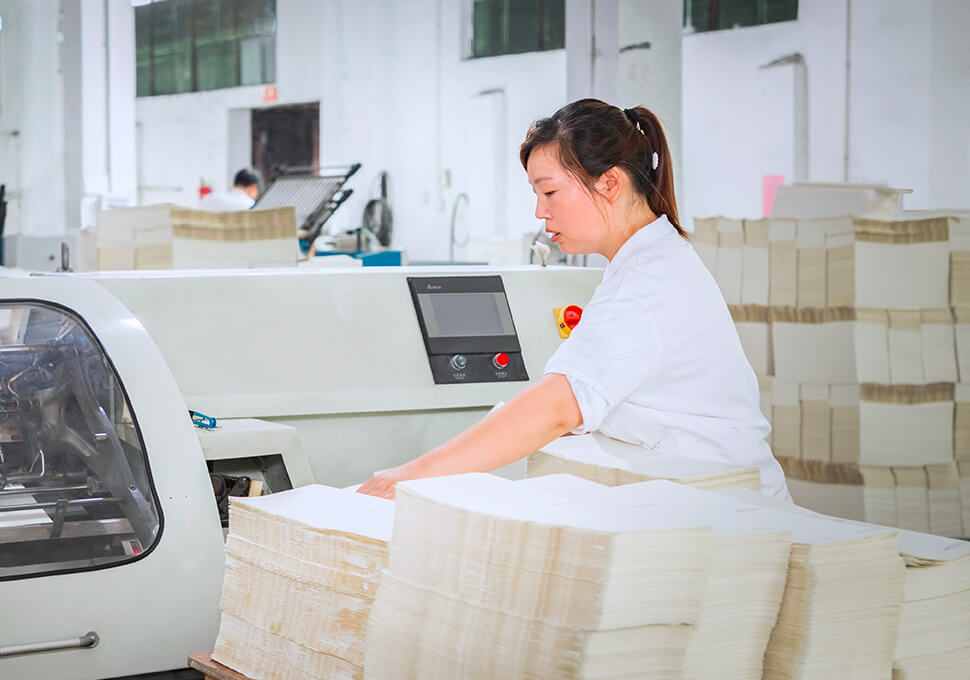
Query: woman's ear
609, 184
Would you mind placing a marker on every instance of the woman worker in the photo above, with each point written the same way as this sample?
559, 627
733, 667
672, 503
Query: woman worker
656, 359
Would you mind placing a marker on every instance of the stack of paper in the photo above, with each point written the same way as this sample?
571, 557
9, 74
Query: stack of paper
490, 578
302, 569
840, 614
810, 240
862, 350
963, 468
864, 493
960, 278
786, 419
783, 263
818, 200
830, 345
888, 425
704, 240
961, 332
730, 242
943, 482
934, 625
754, 330
756, 263
746, 582
169, 236
611, 462
890, 264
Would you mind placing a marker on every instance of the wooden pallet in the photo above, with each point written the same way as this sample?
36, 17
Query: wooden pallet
213, 670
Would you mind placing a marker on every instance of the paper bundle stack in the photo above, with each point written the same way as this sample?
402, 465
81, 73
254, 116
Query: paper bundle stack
840, 613
934, 624
168, 236
607, 461
749, 565
862, 348
302, 569
493, 579
561, 577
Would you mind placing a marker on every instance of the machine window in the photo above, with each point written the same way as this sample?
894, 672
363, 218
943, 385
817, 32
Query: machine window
75, 487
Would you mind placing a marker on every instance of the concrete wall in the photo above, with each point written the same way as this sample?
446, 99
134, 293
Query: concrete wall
32, 117
67, 129
395, 94
904, 122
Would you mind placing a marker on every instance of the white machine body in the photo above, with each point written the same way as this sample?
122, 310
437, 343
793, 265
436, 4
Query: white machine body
328, 369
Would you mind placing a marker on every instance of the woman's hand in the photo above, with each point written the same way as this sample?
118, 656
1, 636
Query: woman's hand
383, 483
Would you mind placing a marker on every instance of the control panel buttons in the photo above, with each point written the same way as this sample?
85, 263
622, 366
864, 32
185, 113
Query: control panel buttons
458, 362
500, 360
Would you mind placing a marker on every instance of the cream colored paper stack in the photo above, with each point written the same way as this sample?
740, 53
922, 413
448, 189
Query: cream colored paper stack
839, 617
934, 625
746, 582
934, 630
862, 349
611, 462
490, 578
302, 569
167, 236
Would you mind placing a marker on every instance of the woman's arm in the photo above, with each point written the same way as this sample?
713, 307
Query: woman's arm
529, 421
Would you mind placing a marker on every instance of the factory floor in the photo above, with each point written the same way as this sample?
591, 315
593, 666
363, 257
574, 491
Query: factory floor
183, 674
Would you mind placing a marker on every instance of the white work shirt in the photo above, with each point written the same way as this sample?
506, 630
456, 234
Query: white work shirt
225, 201
656, 360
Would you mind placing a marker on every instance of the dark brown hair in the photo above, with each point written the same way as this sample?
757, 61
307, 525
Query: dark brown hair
592, 136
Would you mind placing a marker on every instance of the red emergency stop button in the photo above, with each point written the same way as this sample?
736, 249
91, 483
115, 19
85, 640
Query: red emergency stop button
567, 318
571, 316
500, 360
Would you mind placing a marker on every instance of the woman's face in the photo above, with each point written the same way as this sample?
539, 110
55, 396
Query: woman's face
571, 214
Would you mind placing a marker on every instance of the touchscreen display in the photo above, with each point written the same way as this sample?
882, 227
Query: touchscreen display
466, 314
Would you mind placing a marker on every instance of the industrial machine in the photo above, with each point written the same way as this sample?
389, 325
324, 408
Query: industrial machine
111, 551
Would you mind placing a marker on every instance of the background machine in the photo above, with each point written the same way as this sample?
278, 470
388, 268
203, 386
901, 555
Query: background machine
111, 552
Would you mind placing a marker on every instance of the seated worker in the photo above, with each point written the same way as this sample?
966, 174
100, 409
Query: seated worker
242, 196
656, 360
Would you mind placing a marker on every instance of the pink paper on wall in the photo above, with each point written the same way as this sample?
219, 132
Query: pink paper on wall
769, 186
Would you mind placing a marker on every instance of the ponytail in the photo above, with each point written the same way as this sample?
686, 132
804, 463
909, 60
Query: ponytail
652, 168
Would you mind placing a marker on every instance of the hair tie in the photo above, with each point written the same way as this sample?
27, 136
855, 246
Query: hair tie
632, 117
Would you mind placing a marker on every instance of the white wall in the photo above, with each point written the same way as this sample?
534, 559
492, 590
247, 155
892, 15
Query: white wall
396, 95
909, 93
949, 141
32, 117
66, 110
739, 116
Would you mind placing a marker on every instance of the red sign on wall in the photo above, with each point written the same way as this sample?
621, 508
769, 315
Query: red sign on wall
269, 93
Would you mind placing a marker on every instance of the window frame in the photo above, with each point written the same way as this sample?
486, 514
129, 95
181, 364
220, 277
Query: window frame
192, 21
82, 322
760, 7
468, 32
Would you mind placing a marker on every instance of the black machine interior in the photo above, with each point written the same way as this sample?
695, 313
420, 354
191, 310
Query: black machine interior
75, 490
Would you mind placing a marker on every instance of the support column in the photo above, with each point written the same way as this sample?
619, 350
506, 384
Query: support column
649, 65
591, 49
99, 108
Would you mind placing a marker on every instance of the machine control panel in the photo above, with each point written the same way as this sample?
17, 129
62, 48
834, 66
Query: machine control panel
468, 330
